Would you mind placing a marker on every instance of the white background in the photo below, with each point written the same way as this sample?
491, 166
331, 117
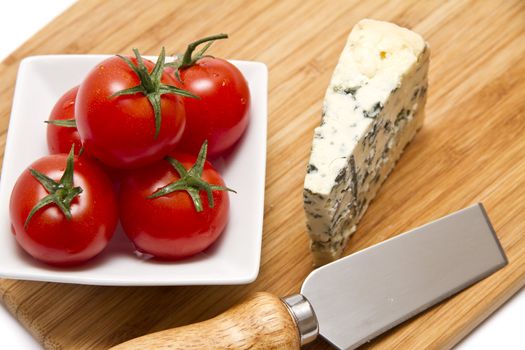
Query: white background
20, 19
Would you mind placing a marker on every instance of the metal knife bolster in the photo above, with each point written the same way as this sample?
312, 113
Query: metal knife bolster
304, 317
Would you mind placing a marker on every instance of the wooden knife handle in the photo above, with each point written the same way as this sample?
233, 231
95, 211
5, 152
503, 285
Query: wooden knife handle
260, 322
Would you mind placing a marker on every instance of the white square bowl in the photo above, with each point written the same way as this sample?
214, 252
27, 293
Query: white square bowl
233, 259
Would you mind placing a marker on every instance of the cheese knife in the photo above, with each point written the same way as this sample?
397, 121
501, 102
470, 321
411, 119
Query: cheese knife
354, 299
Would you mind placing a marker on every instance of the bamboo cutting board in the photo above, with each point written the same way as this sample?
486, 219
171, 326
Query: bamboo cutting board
472, 148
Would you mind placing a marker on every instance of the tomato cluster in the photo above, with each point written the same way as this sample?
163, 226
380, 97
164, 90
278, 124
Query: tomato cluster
148, 127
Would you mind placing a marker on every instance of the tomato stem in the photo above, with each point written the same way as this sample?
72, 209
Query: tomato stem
150, 84
61, 193
67, 123
191, 181
188, 59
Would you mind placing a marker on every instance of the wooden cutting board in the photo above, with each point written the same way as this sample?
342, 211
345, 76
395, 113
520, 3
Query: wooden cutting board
472, 148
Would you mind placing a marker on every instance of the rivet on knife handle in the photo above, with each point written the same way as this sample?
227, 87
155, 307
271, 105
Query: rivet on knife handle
304, 316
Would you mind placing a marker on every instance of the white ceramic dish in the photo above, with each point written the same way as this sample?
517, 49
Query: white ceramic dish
233, 259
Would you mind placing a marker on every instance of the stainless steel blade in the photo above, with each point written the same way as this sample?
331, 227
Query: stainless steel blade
361, 296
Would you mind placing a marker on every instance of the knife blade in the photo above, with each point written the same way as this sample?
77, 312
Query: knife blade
377, 288
354, 299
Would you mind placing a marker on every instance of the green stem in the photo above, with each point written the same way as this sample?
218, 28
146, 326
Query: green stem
150, 85
188, 60
191, 181
67, 123
61, 193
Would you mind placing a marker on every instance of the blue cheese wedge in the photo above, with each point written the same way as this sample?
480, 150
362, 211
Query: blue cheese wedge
373, 107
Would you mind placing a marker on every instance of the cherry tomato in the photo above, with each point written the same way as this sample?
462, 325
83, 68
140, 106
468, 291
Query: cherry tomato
221, 114
80, 227
62, 131
61, 127
128, 112
170, 226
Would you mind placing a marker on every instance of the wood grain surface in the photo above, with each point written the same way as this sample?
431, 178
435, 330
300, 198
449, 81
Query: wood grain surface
237, 328
471, 148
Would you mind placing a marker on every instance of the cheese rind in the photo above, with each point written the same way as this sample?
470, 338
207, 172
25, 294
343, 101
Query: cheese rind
373, 107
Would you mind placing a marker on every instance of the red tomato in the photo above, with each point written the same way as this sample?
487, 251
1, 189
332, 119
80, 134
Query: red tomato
221, 114
169, 226
123, 131
60, 138
48, 235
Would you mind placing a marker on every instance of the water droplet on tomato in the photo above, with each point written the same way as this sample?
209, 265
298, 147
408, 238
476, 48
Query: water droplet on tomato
142, 255
243, 100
